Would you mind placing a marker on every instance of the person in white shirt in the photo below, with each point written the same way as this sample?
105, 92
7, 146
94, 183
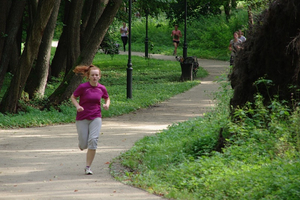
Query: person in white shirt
124, 34
241, 36
234, 47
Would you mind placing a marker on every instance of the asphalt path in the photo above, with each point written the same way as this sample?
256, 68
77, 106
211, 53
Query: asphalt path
45, 163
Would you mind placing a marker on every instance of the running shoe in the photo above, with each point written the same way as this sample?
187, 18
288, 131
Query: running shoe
88, 171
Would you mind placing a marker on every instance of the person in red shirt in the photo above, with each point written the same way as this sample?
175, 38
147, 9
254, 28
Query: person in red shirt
176, 34
89, 118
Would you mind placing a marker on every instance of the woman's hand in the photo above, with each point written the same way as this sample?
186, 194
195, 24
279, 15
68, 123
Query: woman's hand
79, 108
106, 106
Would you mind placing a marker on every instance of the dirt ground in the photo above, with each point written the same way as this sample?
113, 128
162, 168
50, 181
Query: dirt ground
45, 163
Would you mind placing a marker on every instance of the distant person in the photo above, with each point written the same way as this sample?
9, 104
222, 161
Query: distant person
241, 36
88, 118
234, 47
124, 34
176, 34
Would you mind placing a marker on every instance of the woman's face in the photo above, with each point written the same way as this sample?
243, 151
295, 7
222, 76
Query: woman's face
94, 77
235, 35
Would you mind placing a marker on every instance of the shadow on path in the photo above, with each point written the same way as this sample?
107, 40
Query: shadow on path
45, 163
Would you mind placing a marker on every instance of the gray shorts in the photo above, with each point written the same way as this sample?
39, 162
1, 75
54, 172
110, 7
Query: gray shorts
88, 133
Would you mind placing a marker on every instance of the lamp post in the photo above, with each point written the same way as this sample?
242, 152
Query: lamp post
129, 64
146, 40
184, 43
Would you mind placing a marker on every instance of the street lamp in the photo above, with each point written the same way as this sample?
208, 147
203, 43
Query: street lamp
146, 40
184, 43
129, 64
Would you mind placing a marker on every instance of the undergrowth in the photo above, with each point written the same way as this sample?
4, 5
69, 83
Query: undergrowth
260, 158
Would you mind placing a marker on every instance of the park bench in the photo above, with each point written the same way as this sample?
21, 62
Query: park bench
189, 68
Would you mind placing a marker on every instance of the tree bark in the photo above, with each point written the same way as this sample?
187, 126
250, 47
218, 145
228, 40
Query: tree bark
86, 14
271, 52
37, 80
4, 8
13, 27
227, 9
71, 81
10, 100
73, 33
96, 12
59, 61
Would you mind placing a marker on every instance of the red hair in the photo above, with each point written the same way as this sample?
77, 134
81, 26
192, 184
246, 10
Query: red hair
85, 70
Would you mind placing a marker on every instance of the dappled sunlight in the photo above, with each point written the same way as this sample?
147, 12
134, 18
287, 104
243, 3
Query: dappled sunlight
141, 128
78, 188
61, 151
46, 163
106, 149
207, 82
17, 171
54, 43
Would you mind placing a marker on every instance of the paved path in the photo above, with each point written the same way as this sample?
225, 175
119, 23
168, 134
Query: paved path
44, 163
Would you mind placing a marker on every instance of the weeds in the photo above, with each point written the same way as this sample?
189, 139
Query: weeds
260, 159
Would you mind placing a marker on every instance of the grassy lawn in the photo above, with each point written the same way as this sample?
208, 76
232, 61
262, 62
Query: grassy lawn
153, 81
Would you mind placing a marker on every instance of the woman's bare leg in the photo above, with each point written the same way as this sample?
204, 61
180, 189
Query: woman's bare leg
90, 155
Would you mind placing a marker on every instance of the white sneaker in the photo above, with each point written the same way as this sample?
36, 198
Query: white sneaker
88, 171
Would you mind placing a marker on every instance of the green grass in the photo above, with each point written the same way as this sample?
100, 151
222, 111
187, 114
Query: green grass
261, 158
207, 37
153, 81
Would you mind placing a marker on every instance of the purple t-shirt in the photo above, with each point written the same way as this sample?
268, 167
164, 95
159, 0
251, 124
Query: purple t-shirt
89, 98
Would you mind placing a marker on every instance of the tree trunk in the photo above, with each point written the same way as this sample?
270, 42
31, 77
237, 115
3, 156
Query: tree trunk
86, 14
10, 100
4, 8
59, 61
14, 57
71, 81
233, 4
73, 33
96, 12
13, 27
37, 80
227, 9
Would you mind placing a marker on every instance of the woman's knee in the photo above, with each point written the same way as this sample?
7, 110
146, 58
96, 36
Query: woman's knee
83, 146
93, 143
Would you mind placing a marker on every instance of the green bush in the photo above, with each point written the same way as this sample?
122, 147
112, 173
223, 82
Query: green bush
260, 159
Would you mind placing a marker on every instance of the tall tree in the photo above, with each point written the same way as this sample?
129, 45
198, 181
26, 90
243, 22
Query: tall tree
10, 100
87, 54
9, 36
4, 8
73, 33
81, 38
59, 61
36, 83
